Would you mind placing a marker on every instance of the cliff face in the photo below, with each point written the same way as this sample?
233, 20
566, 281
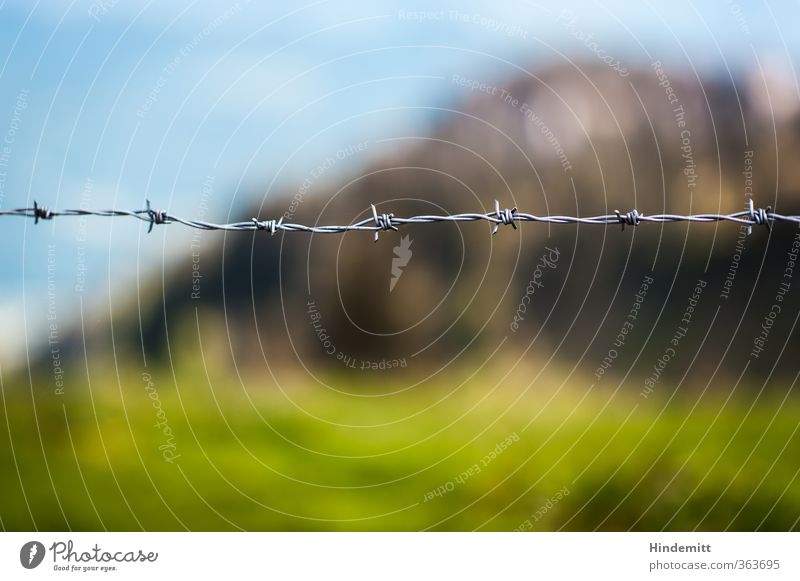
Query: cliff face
577, 141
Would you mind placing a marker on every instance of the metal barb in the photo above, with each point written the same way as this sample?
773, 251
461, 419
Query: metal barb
271, 225
382, 221
156, 216
505, 217
758, 216
41, 212
631, 218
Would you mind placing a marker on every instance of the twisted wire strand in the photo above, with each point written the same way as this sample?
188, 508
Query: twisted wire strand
380, 222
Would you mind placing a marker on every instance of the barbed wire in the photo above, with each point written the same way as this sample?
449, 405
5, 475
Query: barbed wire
380, 222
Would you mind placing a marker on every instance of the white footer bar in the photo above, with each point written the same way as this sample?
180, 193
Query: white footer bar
355, 556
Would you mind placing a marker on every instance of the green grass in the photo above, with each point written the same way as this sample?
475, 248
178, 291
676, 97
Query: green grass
254, 456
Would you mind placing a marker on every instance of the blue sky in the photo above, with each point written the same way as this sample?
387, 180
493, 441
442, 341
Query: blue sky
154, 99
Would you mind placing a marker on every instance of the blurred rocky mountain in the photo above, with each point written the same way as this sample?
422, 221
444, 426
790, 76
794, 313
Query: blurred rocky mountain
563, 140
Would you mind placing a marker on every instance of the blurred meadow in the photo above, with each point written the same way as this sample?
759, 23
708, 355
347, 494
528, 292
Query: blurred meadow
245, 458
